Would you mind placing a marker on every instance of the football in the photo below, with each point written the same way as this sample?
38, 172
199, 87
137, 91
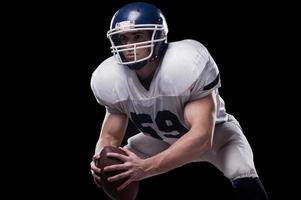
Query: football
110, 188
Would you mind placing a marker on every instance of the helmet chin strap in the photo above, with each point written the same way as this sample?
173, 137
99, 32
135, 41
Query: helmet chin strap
139, 65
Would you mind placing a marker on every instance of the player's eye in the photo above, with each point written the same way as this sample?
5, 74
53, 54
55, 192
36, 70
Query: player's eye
123, 39
139, 38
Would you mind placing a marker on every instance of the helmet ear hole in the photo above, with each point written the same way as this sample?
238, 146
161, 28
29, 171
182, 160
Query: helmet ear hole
159, 34
138, 16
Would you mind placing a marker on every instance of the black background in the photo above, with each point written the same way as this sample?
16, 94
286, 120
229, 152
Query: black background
56, 47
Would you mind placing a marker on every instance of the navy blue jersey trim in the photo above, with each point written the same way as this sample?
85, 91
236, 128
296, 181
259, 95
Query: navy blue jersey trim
212, 84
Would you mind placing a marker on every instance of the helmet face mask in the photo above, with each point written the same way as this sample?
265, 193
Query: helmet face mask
138, 18
119, 47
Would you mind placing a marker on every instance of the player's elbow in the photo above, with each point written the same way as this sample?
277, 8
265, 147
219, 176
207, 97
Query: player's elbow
202, 138
206, 141
210, 139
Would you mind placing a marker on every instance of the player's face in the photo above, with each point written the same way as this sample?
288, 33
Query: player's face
135, 37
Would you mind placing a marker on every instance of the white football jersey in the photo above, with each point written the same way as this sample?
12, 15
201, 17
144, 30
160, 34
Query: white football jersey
187, 72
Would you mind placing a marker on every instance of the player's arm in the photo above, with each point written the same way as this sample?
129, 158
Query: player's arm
112, 131
111, 134
200, 116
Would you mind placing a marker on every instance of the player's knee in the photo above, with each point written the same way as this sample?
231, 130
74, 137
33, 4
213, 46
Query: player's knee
135, 141
146, 144
238, 172
135, 145
249, 188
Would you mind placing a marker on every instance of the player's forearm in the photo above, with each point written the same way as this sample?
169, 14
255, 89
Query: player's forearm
188, 148
112, 131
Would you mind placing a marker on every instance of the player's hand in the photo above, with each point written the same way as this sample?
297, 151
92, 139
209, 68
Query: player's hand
95, 171
132, 168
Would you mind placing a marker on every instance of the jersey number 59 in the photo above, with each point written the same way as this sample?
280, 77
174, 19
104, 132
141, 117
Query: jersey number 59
165, 120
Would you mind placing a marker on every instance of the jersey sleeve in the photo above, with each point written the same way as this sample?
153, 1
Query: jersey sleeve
208, 81
104, 95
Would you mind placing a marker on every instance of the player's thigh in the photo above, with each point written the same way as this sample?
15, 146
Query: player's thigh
232, 152
145, 146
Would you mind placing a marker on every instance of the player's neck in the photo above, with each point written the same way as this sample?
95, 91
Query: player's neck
147, 72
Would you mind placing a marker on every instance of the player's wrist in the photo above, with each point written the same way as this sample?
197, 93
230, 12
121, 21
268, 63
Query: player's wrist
150, 167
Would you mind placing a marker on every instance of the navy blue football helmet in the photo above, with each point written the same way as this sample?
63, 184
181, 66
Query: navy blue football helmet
138, 17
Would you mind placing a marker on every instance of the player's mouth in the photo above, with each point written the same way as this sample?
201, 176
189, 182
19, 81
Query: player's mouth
130, 56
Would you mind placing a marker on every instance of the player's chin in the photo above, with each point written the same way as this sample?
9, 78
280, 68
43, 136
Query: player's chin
130, 59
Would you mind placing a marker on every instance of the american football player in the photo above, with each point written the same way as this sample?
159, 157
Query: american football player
170, 92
